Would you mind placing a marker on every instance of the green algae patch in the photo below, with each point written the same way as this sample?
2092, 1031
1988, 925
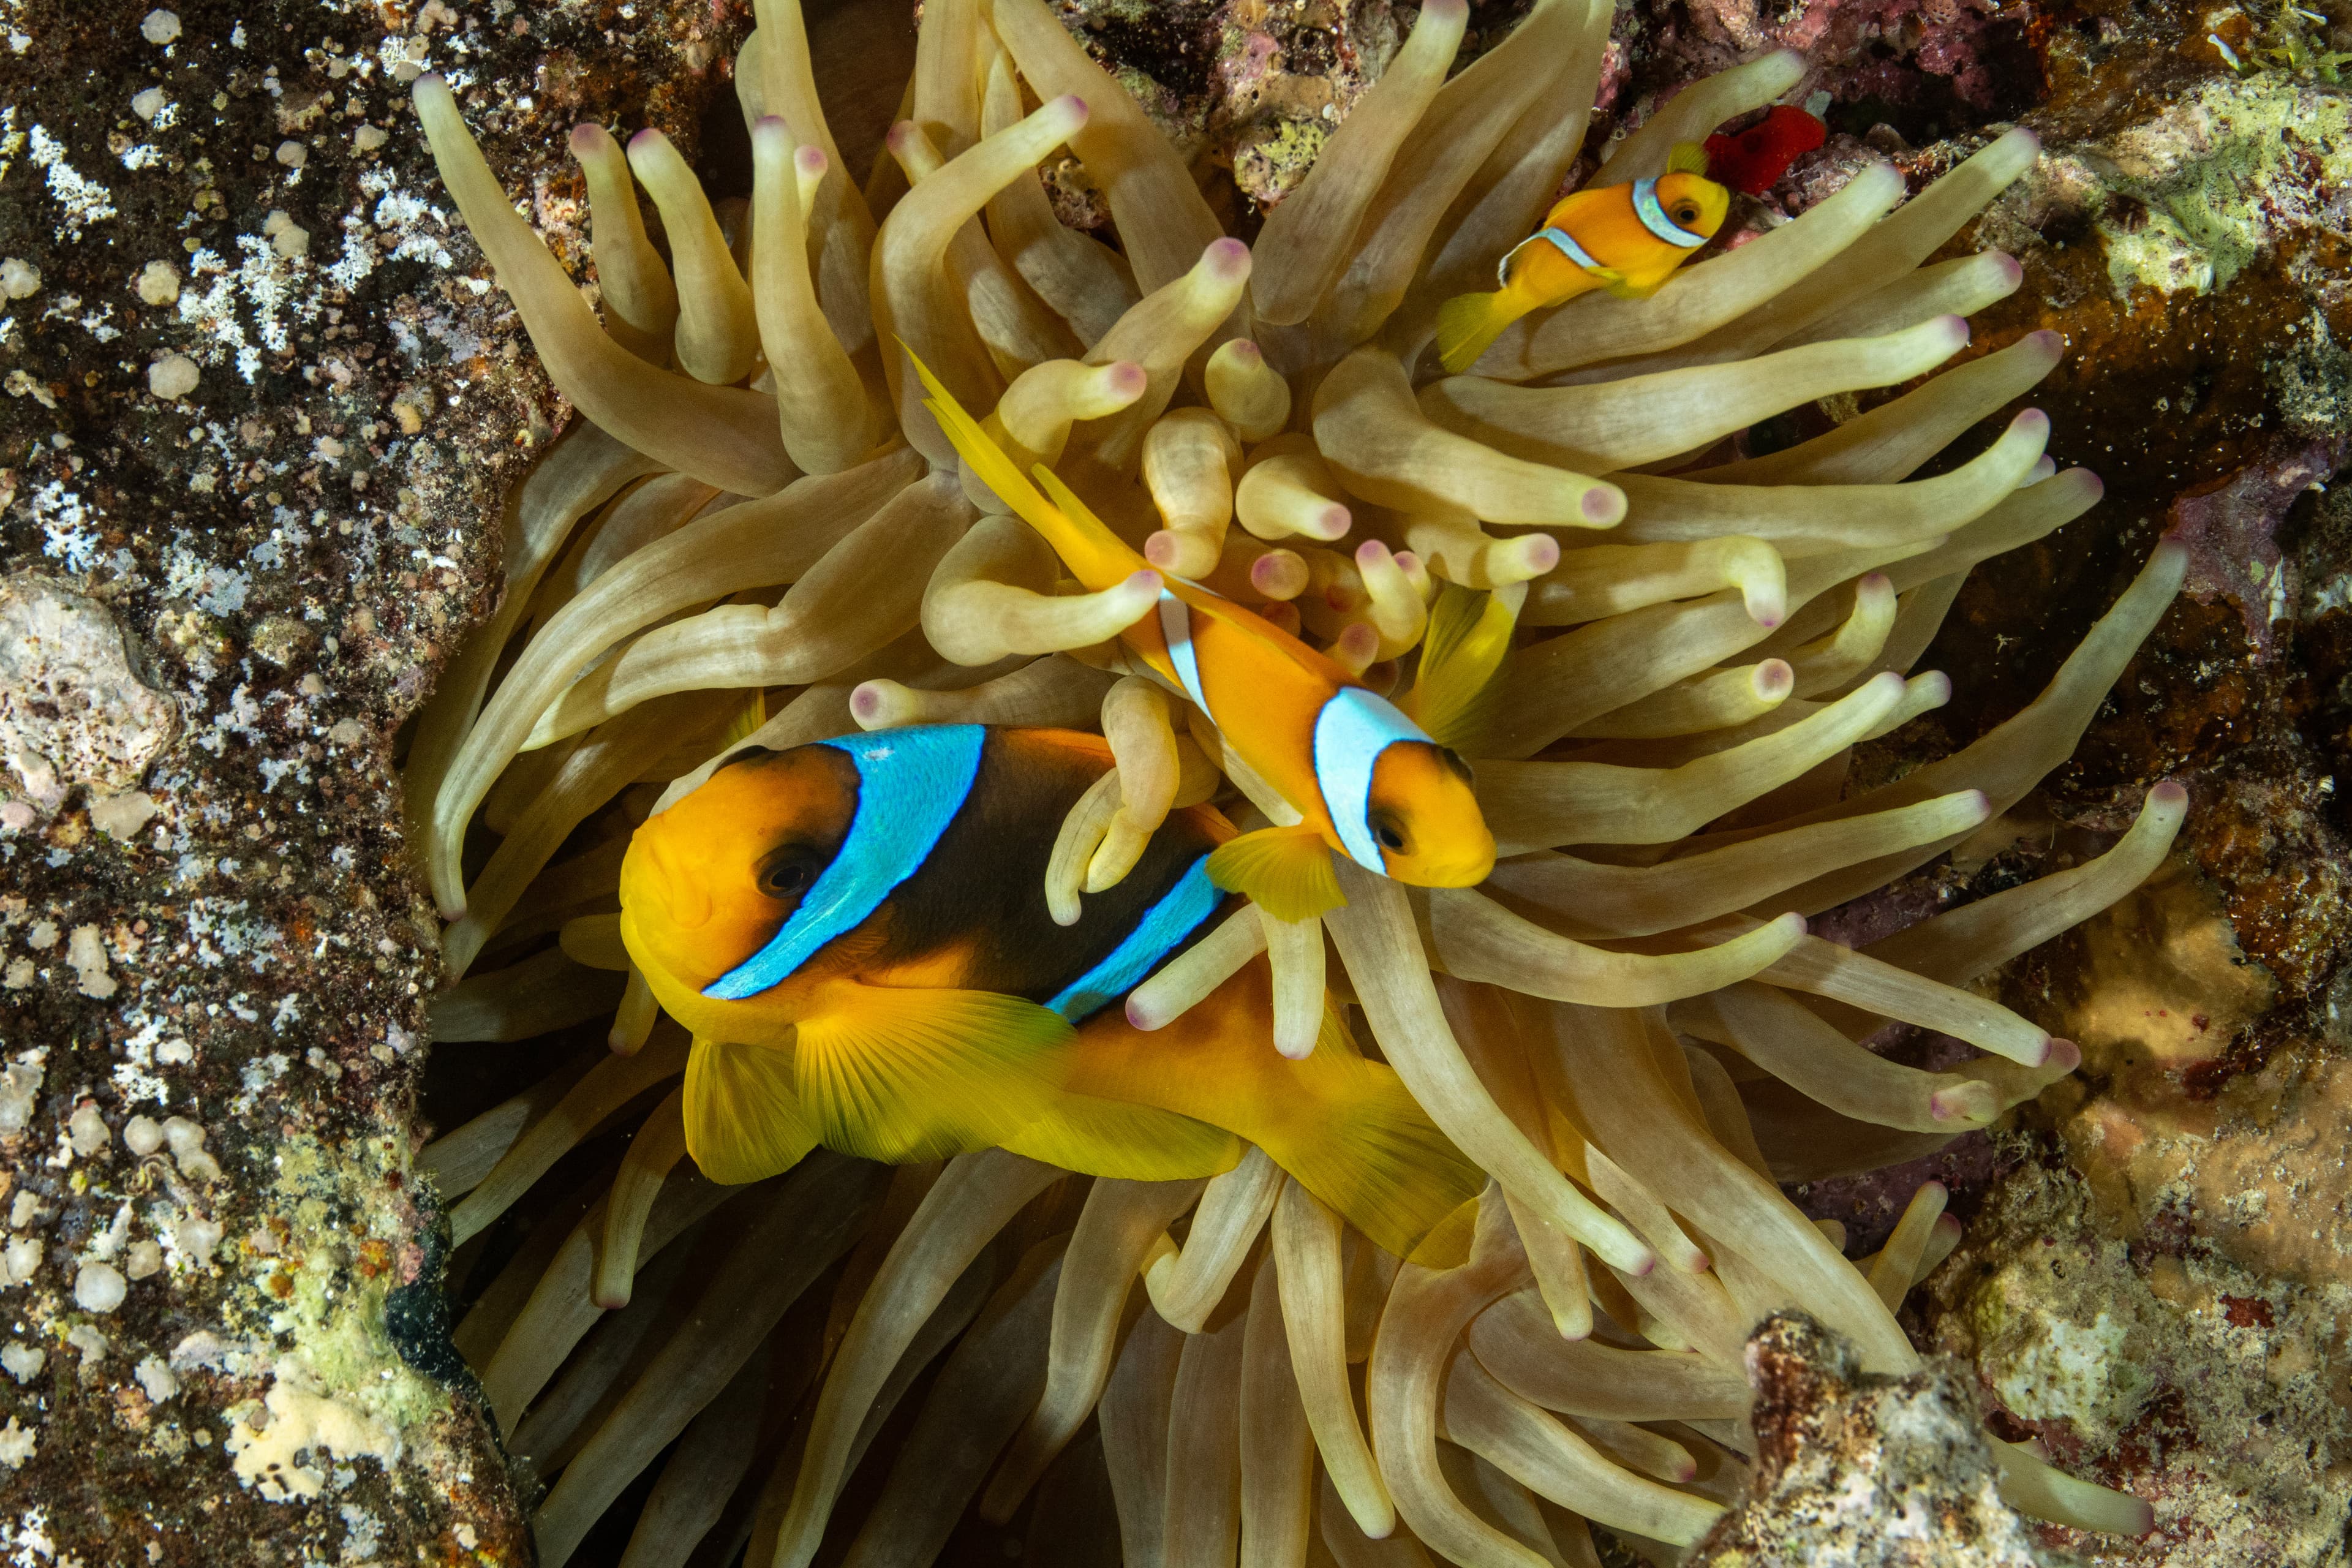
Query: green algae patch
2217, 178
328, 1284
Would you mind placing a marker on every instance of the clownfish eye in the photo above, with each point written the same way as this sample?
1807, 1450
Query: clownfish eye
1384, 828
787, 875
1687, 213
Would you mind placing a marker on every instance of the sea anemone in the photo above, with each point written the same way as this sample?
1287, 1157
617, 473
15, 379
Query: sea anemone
1626, 1027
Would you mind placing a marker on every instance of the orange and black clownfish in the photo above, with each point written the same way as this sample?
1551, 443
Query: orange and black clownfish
1625, 238
856, 933
1387, 790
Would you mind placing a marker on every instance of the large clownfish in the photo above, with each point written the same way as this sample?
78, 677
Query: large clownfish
856, 933
1625, 238
1367, 781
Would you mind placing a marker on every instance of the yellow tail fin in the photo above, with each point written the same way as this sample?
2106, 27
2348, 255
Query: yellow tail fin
1468, 324
1370, 1150
1094, 555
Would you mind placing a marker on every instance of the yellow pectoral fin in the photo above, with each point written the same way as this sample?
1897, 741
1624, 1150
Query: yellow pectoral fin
744, 1122
748, 719
1454, 697
1286, 871
1097, 1137
904, 1075
1688, 157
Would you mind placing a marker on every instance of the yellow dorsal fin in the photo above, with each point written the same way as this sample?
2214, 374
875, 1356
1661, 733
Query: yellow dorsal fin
1089, 548
1098, 552
744, 1122
1469, 638
1688, 157
902, 1075
1286, 871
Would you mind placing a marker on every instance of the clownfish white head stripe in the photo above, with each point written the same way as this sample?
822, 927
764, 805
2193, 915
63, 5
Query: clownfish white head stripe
1351, 732
1654, 218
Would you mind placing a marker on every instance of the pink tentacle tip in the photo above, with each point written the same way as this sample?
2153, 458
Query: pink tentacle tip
1643, 1263
1775, 679
1227, 258
585, 137
1127, 378
1141, 1017
1296, 1053
810, 161
1446, 10
1245, 348
2030, 421
2012, 270
1071, 104
1603, 503
1544, 554
1142, 584
865, 702
649, 137
2066, 1056
900, 136
1959, 327
2170, 792
1371, 552
1160, 550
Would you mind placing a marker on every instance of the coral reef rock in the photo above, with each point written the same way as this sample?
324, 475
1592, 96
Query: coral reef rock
73, 707
254, 422
1862, 1470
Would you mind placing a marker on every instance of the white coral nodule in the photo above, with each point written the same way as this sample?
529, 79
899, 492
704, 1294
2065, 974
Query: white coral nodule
1625, 1039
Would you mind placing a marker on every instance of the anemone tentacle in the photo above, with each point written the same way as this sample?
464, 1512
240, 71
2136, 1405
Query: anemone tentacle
757, 535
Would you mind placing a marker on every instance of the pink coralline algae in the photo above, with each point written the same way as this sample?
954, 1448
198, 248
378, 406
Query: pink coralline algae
2231, 532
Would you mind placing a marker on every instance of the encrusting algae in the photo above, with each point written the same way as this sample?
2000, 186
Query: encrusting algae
836, 738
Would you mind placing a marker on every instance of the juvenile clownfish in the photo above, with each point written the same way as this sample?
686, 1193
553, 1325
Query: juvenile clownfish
856, 933
1368, 781
1625, 238
1754, 160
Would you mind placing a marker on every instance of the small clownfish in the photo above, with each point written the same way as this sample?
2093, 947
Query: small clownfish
1754, 160
1368, 782
856, 932
1627, 239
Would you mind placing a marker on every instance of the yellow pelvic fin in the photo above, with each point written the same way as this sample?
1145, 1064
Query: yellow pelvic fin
1372, 1153
1094, 555
744, 1122
1097, 1137
1453, 699
1688, 157
1287, 870
1622, 288
905, 1075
